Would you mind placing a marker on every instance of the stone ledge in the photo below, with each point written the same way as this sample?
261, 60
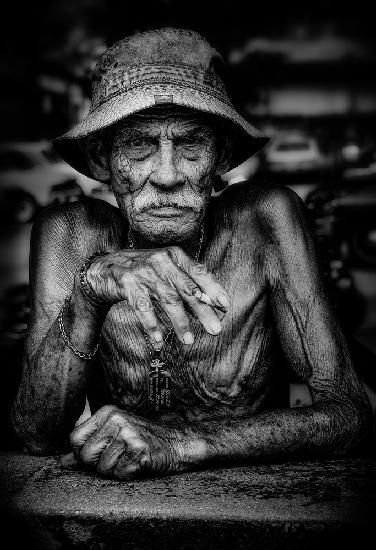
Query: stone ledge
296, 504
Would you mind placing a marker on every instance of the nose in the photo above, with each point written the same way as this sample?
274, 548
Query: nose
165, 173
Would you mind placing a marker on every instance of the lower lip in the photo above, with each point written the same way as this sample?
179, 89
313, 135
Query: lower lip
166, 212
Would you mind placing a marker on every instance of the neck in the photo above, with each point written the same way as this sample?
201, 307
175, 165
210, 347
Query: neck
191, 246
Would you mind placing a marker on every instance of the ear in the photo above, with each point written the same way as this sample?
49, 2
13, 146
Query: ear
224, 154
95, 151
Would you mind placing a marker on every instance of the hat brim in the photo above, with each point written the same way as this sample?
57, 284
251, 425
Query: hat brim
124, 104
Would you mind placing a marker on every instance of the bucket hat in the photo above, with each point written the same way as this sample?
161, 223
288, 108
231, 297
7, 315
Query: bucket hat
162, 66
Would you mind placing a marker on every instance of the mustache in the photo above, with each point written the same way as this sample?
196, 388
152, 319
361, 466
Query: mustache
182, 200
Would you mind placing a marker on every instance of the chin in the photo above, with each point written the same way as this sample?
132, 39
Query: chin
166, 231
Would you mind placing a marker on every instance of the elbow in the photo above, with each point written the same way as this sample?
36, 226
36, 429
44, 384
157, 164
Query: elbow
29, 438
353, 427
362, 424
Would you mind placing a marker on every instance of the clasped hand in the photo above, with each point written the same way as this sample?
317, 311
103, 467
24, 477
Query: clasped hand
167, 276
121, 445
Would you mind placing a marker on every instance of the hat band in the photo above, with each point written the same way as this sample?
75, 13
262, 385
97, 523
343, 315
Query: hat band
120, 81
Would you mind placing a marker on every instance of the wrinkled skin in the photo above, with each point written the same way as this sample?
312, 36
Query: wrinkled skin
123, 445
258, 268
160, 162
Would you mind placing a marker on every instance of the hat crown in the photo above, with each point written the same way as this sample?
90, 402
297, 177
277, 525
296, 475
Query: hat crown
160, 48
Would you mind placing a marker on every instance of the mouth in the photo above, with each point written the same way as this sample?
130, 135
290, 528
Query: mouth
166, 211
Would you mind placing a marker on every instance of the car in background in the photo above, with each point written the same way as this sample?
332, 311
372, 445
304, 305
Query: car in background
294, 153
33, 176
344, 217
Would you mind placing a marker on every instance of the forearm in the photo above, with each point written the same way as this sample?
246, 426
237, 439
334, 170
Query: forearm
54, 381
321, 429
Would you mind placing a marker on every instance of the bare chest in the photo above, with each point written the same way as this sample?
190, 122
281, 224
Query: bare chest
229, 370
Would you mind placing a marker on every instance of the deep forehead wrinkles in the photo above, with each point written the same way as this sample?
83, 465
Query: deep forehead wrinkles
167, 124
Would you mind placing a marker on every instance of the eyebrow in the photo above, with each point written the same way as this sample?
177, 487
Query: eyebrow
199, 131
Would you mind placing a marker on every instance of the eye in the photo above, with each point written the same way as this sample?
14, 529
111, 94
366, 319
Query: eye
137, 142
138, 147
192, 147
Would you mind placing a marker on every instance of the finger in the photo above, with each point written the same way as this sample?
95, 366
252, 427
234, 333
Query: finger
130, 464
123, 455
209, 317
172, 304
205, 280
110, 457
141, 303
204, 298
83, 431
209, 285
198, 303
93, 448
70, 462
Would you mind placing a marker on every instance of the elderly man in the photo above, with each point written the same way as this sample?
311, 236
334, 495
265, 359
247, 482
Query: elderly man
171, 313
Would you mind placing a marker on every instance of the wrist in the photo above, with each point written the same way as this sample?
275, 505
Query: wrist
192, 449
82, 302
86, 280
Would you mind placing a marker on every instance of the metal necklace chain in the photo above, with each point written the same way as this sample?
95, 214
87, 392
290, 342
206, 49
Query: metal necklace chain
151, 348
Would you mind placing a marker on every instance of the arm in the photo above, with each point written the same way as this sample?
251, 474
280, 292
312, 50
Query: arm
338, 418
340, 415
52, 391
54, 380
313, 343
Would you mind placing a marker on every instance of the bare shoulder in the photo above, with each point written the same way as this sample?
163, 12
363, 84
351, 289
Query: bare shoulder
63, 236
280, 205
265, 207
79, 227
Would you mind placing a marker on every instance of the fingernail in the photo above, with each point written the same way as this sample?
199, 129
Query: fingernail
205, 299
223, 300
215, 327
188, 338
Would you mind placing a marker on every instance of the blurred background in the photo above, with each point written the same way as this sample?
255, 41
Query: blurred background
303, 72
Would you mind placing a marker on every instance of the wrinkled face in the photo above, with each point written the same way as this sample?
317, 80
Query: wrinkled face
162, 165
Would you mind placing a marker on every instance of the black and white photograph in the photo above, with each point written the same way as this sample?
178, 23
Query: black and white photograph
188, 275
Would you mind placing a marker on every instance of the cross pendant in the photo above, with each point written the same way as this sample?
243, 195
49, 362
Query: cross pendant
159, 387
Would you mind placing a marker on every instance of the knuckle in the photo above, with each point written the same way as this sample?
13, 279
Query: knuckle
143, 303
145, 272
160, 255
170, 297
107, 409
123, 280
115, 417
191, 287
197, 268
127, 433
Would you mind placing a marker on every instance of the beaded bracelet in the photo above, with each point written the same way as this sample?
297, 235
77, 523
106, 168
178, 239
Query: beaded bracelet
81, 354
88, 289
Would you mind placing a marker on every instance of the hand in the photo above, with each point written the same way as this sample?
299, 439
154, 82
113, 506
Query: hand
168, 276
124, 446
